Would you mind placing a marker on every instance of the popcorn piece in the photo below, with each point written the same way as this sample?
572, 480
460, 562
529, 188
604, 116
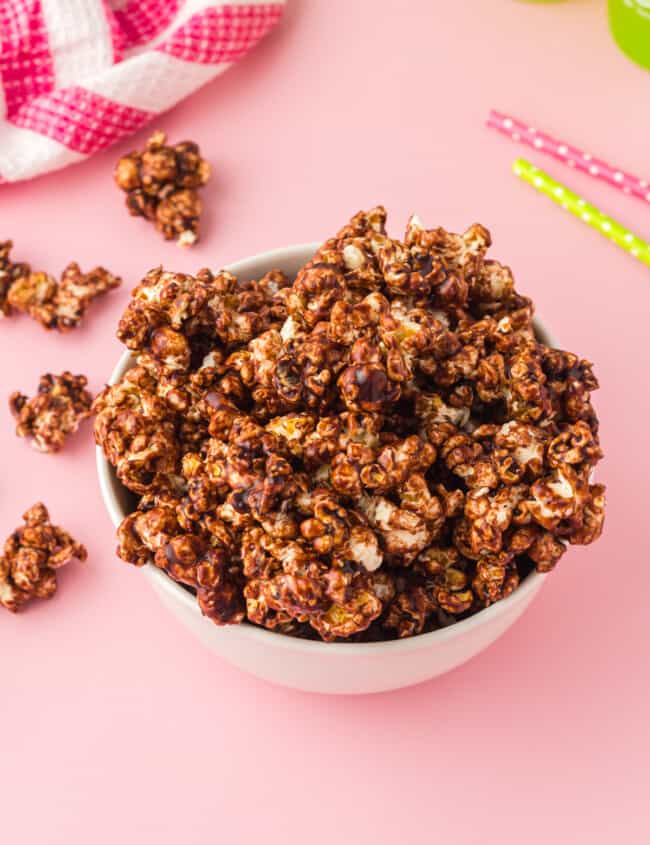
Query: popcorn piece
404, 534
520, 451
593, 518
314, 293
10, 272
576, 444
161, 184
31, 557
411, 608
364, 601
496, 577
363, 548
223, 603
490, 514
60, 305
137, 431
545, 551
56, 411
259, 612
141, 535
447, 578
557, 497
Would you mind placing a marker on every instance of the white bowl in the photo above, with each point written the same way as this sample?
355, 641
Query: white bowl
306, 664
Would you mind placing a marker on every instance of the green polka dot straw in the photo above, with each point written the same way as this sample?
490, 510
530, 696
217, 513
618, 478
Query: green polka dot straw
579, 207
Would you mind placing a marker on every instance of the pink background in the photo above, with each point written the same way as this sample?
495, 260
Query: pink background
116, 726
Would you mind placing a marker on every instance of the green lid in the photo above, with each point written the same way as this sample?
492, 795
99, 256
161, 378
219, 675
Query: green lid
629, 21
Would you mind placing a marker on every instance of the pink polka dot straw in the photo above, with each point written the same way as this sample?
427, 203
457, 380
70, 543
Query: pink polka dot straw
569, 155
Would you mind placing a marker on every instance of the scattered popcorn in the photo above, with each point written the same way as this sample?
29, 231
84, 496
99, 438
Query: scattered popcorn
60, 305
10, 272
161, 184
31, 557
60, 404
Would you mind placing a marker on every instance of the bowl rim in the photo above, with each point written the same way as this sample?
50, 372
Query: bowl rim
108, 484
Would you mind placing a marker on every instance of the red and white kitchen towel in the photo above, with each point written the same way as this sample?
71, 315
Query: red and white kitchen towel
78, 75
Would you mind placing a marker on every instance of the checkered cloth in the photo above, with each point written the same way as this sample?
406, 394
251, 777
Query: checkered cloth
78, 75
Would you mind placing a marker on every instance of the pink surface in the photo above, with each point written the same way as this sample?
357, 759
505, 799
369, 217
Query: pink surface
116, 725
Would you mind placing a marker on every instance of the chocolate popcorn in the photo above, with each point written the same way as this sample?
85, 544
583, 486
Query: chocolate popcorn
60, 305
31, 557
376, 450
10, 272
161, 184
56, 411
137, 429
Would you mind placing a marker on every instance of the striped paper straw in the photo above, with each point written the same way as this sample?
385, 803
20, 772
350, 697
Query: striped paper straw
579, 207
569, 155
